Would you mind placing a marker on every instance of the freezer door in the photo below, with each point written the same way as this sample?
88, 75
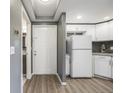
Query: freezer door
81, 42
81, 63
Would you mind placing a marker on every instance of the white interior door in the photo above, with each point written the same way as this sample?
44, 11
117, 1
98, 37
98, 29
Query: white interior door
44, 49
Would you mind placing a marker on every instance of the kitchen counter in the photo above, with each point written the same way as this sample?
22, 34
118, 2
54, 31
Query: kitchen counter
103, 54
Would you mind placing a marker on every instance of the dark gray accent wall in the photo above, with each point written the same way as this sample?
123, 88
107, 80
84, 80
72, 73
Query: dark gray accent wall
15, 41
61, 46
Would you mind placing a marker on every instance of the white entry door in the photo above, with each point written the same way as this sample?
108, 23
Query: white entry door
44, 49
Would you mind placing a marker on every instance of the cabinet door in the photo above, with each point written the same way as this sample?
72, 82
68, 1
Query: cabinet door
110, 30
102, 32
103, 66
90, 31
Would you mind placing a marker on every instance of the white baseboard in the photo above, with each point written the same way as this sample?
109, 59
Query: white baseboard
29, 76
24, 80
102, 77
62, 83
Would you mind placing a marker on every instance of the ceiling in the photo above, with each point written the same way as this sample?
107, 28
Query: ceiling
90, 11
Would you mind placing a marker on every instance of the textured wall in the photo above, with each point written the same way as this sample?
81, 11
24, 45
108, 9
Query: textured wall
15, 40
61, 47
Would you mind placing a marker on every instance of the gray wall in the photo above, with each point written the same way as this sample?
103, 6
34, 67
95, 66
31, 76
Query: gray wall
15, 40
61, 46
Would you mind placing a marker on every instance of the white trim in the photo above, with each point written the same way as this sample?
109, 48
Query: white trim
32, 73
102, 77
21, 52
28, 21
24, 80
29, 76
62, 83
53, 68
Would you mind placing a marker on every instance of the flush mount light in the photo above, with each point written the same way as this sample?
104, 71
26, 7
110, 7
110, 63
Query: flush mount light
106, 18
45, 0
79, 17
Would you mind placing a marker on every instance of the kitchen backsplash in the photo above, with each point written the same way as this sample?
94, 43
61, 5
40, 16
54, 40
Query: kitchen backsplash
102, 46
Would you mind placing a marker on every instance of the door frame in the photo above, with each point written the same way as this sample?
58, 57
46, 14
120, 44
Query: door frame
28, 66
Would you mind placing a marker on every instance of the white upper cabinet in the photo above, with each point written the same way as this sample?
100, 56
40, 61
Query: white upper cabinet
99, 32
104, 31
88, 29
110, 29
91, 31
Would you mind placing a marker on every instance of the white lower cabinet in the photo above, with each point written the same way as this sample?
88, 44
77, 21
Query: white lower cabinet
103, 66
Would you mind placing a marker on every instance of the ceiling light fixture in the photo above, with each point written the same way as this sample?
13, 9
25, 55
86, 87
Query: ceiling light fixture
79, 17
45, 0
106, 18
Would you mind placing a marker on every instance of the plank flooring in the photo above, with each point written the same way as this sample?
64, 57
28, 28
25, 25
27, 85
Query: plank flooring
50, 84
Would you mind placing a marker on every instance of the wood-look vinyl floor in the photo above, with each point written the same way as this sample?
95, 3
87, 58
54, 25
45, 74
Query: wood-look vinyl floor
50, 84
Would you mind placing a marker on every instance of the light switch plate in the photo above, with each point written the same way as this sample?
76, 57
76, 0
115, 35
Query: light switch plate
12, 50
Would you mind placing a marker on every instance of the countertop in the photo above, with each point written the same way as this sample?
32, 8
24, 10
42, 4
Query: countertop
103, 54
